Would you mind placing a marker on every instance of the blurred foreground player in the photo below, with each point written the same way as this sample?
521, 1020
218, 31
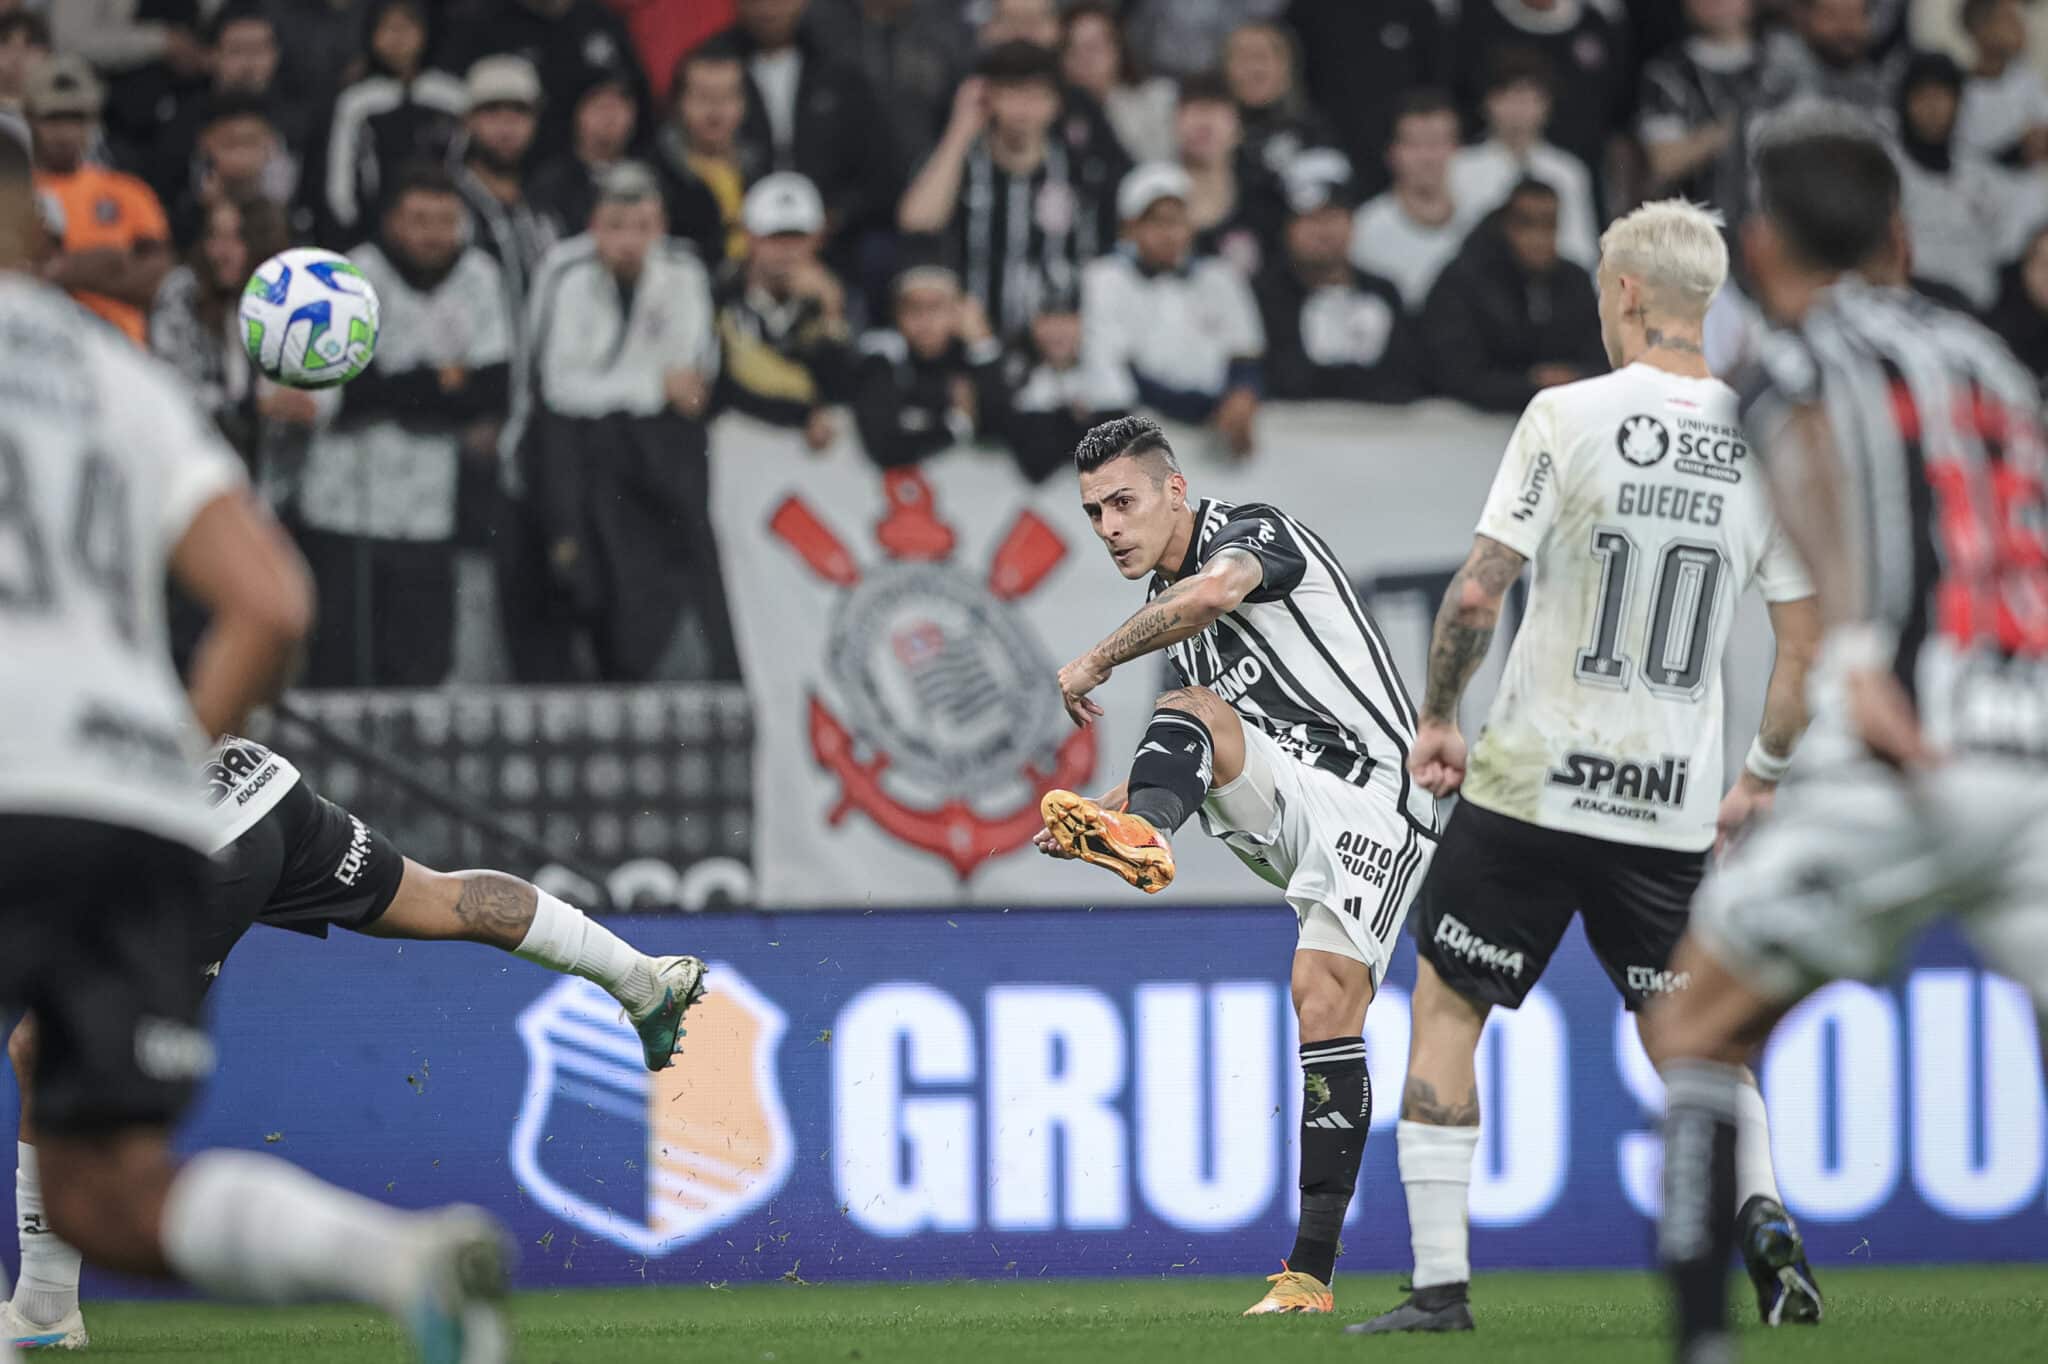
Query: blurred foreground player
109, 475
1905, 453
286, 857
1592, 790
1289, 732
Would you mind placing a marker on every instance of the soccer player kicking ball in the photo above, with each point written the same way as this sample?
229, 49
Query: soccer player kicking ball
287, 857
1592, 789
1906, 454
1288, 732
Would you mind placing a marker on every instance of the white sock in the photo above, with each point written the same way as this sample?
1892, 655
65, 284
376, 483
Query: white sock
1754, 1172
1436, 1174
564, 938
48, 1291
248, 1226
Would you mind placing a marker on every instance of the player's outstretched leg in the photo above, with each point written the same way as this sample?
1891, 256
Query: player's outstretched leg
505, 912
1438, 1133
1773, 1252
43, 1313
1331, 993
1193, 743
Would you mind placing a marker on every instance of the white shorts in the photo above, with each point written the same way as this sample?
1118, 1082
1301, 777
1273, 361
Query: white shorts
1855, 861
1347, 856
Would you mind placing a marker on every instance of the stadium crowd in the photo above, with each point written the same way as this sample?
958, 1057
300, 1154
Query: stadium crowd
597, 224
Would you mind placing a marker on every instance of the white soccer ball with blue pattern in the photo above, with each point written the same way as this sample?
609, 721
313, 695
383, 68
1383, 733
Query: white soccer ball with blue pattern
309, 319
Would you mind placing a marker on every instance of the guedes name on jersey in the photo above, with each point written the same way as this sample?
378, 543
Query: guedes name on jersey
1673, 503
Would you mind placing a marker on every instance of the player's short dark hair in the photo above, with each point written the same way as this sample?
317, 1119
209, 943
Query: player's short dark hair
1520, 65
1019, 63
1206, 87
1132, 435
1426, 102
1831, 194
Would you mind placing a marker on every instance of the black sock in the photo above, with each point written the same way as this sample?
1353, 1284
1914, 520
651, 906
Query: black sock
1695, 1236
1170, 775
1335, 1113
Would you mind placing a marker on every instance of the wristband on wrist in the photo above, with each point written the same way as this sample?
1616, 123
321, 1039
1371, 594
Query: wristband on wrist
1765, 765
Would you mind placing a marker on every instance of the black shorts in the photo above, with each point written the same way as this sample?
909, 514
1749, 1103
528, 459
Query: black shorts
97, 923
1501, 893
307, 865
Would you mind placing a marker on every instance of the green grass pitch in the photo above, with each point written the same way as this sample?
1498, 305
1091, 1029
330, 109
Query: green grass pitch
1966, 1315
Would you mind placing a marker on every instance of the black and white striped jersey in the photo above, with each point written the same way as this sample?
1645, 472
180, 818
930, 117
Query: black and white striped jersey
1300, 658
1939, 433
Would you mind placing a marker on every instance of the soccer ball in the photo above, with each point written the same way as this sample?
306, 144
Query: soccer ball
309, 319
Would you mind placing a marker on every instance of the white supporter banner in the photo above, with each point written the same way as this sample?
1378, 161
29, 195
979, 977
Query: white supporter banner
900, 633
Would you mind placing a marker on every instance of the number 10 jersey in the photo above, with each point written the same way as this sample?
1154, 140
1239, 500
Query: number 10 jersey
1644, 513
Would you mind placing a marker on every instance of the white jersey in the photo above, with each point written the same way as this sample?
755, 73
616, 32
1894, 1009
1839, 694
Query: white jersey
1635, 496
104, 462
244, 782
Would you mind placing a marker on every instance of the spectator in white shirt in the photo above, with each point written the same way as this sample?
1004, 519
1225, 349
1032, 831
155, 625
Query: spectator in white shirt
1165, 329
2005, 102
1412, 231
1517, 110
1964, 216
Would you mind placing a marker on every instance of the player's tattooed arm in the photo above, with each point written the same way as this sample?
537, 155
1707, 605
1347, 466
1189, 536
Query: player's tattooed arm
1182, 611
1419, 1103
1465, 623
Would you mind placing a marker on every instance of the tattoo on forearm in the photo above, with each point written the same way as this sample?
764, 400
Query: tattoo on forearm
1464, 632
1167, 611
1419, 1103
495, 907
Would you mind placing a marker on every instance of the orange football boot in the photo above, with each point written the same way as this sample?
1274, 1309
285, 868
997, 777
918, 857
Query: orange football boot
1293, 1291
1125, 843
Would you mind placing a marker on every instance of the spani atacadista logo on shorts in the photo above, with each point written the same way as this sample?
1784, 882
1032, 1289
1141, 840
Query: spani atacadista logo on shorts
652, 1160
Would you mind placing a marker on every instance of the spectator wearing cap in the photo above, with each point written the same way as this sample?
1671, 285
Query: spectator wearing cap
916, 390
910, 48
604, 133
1332, 330
812, 112
1693, 97
1164, 328
1517, 110
698, 153
1359, 62
1002, 192
572, 44
503, 98
1594, 77
113, 241
782, 315
24, 45
150, 52
378, 501
1964, 216
239, 154
1095, 60
614, 452
1261, 67
1409, 233
400, 111
1511, 315
1036, 400
2005, 101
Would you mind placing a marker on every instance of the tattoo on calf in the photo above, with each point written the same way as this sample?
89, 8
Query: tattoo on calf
1419, 1103
495, 905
